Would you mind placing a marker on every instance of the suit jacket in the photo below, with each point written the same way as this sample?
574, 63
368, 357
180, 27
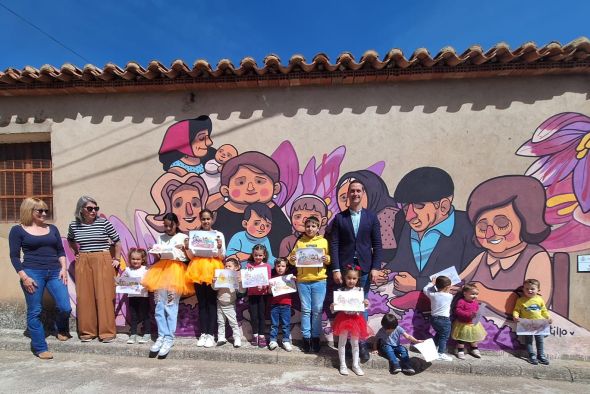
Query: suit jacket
367, 242
457, 249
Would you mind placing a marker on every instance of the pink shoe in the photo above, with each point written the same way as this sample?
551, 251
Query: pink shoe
261, 341
254, 340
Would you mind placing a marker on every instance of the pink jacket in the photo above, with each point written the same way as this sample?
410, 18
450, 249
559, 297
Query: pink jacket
465, 311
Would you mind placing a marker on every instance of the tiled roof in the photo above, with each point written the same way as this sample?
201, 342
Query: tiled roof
528, 59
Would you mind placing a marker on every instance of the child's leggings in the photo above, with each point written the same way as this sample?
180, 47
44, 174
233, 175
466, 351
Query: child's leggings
354, 343
257, 307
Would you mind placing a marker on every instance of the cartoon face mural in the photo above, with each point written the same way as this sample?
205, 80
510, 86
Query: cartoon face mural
511, 225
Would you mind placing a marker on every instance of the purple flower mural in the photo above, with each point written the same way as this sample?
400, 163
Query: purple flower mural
562, 144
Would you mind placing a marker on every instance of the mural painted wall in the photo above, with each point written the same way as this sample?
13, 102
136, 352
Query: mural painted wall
515, 226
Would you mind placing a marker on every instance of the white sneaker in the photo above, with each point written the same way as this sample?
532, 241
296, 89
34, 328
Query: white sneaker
343, 370
201, 341
168, 343
237, 341
132, 339
461, 355
157, 345
145, 338
273, 345
209, 341
221, 341
357, 370
444, 357
287, 346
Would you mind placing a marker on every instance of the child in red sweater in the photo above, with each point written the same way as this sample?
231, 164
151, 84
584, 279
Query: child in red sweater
280, 309
466, 327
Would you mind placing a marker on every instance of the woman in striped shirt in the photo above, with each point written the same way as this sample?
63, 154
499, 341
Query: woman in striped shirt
91, 238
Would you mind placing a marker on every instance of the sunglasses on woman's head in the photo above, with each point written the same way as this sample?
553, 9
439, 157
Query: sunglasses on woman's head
41, 211
90, 209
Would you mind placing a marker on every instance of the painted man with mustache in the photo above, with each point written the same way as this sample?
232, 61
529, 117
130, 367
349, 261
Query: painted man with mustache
436, 236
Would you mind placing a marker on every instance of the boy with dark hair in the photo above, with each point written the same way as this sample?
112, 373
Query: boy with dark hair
387, 341
439, 293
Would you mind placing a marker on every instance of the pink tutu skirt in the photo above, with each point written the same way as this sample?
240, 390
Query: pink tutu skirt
354, 324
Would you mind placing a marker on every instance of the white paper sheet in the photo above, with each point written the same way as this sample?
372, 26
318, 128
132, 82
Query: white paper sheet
309, 257
428, 350
450, 273
350, 301
282, 285
226, 279
533, 327
203, 243
128, 285
165, 252
254, 277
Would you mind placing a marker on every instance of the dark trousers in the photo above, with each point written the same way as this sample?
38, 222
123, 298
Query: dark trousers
539, 341
139, 312
207, 298
257, 308
442, 326
395, 354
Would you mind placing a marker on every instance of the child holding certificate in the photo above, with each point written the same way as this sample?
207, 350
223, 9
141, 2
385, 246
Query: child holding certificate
138, 303
257, 296
280, 310
310, 256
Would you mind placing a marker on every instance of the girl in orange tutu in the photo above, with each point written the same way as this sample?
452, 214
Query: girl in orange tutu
201, 271
350, 323
166, 279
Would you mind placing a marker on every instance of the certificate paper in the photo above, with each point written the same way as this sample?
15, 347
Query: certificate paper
226, 279
350, 301
309, 257
127, 285
282, 285
532, 327
254, 277
166, 252
203, 243
427, 349
450, 273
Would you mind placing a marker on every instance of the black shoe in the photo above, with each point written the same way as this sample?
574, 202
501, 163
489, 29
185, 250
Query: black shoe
394, 369
315, 345
533, 359
364, 352
306, 345
543, 360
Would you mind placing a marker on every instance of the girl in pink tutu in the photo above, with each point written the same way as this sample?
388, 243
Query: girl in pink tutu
467, 329
350, 324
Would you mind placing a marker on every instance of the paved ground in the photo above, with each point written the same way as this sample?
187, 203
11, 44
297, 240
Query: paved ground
21, 372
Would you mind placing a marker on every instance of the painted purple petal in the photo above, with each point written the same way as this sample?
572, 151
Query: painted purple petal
377, 168
282, 196
562, 141
308, 178
570, 238
286, 158
565, 120
328, 172
127, 240
582, 183
553, 168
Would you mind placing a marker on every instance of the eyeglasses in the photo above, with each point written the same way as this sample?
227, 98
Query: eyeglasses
90, 209
41, 211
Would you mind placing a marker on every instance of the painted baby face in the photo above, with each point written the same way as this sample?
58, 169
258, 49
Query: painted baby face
498, 229
201, 143
225, 152
186, 204
247, 187
256, 226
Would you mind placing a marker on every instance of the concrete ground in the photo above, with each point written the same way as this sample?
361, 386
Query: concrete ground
20, 372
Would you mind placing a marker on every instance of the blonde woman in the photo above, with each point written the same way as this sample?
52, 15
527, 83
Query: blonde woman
43, 266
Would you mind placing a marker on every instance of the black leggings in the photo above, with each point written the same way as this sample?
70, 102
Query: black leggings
257, 307
138, 311
207, 298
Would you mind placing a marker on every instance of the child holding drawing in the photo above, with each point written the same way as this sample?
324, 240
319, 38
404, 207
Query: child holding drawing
350, 323
466, 327
311, 282
138, 305
257, 296
201, 271
532, 306
226, 306
280, 310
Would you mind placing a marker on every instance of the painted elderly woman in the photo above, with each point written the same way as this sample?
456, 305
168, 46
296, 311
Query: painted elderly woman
508, 216
91, 237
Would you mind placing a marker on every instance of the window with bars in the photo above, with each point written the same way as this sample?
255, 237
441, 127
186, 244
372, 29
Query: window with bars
25, 171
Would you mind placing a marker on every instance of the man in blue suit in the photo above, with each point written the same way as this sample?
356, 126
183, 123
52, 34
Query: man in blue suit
355, 238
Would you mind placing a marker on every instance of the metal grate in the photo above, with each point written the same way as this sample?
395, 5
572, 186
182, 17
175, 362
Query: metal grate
25, 171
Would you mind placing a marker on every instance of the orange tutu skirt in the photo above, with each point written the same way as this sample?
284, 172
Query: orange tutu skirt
169, 275
202, 270
354, 324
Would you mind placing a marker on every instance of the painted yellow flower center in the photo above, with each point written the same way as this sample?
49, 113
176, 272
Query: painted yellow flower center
583, 147
568, 198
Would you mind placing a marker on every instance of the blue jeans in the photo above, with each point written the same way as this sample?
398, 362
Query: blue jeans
395, 354
365, 284
311, 295
280, 314
166, 312
539, 340
46, 279
442, 326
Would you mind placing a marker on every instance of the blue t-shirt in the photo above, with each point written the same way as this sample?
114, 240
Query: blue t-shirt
39, 251
392, 339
